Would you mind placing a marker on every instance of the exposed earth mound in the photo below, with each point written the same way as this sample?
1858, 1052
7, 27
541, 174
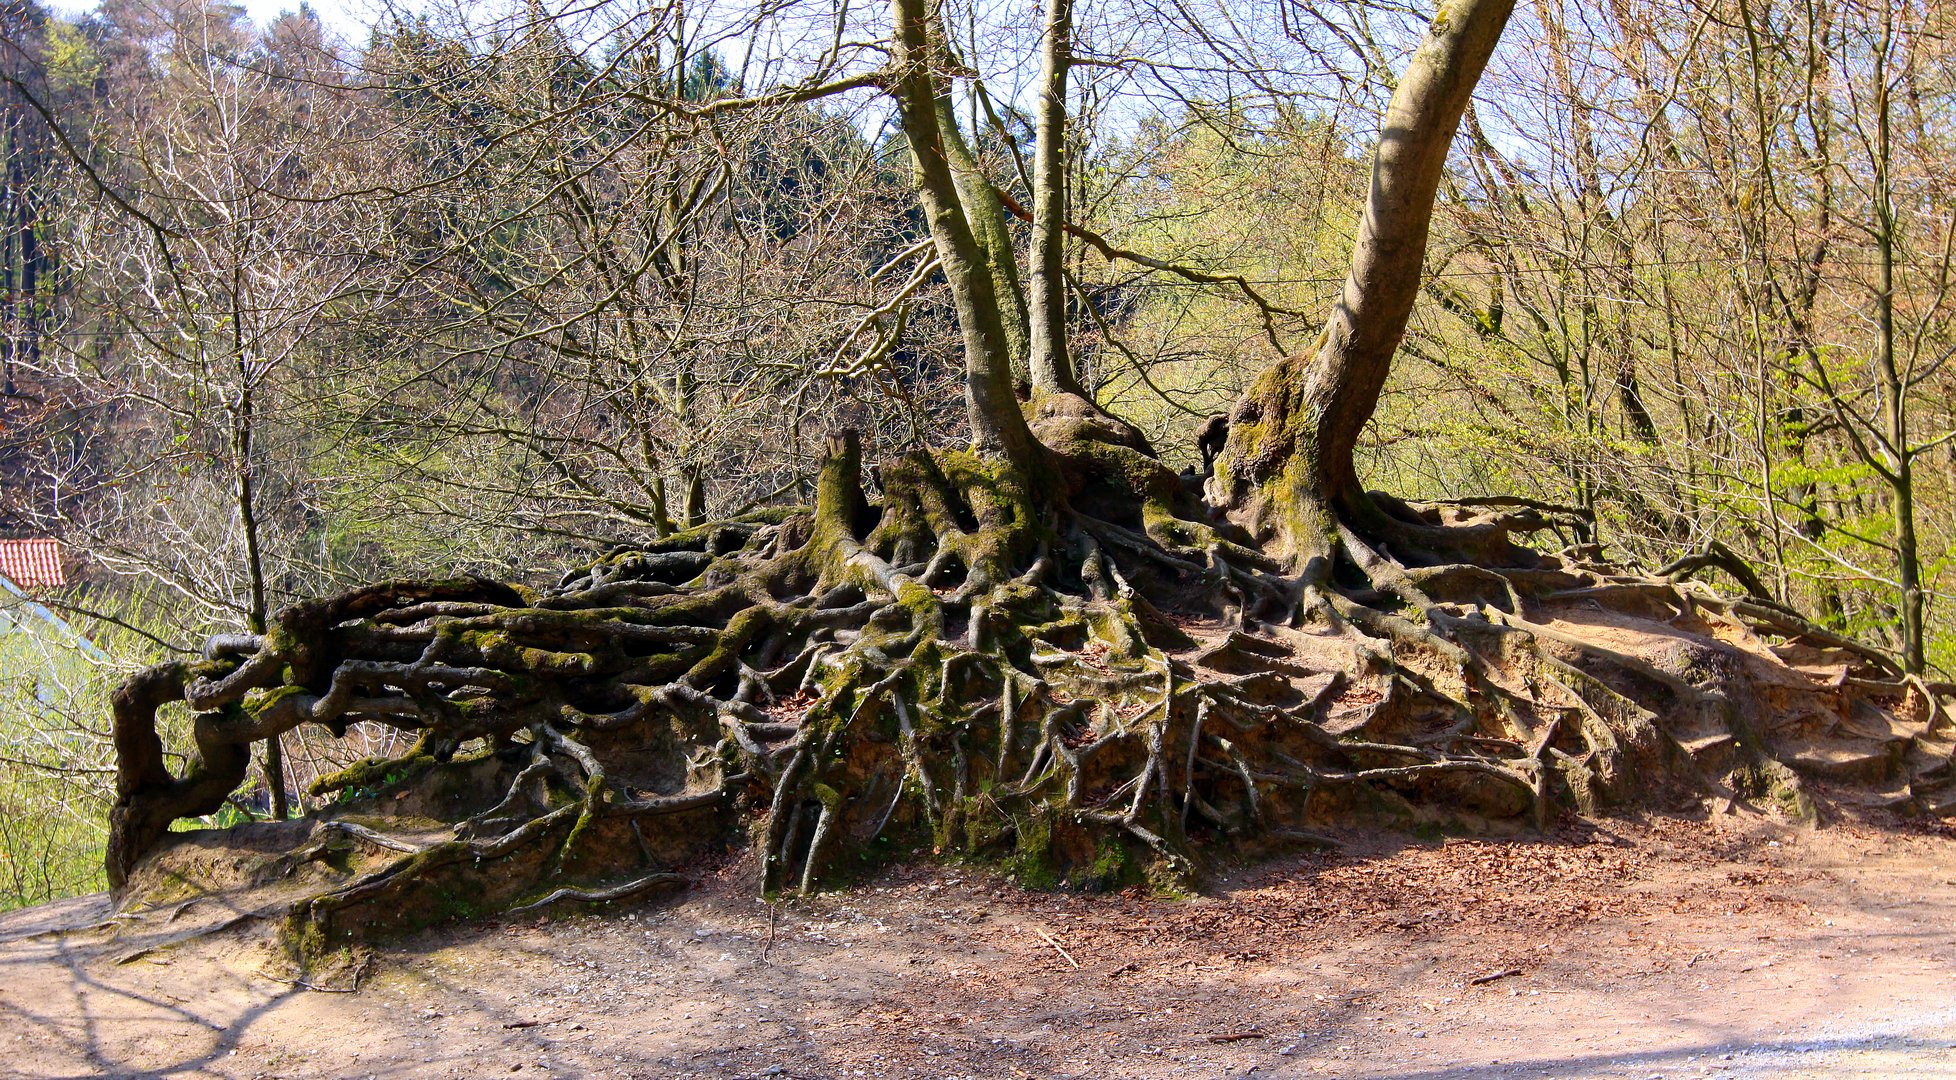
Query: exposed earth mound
1121, 690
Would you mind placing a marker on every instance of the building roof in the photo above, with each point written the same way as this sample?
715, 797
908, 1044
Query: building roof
33, 564
19, 612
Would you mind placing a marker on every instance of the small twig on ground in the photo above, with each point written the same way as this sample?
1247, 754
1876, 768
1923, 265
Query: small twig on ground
1057, 947
1494, 977
169, 942
1238, 1036
359, 969
601, 896
368, 836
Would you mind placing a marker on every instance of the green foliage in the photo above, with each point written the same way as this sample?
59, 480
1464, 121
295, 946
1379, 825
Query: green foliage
1270, 197
57, 763
72, 61
56, 775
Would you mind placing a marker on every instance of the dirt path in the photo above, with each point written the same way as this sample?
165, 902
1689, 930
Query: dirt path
1654, 949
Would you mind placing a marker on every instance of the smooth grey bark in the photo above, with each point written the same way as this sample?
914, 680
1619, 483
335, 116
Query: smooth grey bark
1288, 471
1355, 353
1294, 433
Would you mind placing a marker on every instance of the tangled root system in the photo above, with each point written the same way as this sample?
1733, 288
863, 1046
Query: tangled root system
1105, 684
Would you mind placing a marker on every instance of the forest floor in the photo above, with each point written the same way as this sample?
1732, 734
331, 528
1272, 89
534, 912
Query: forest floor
1657, 947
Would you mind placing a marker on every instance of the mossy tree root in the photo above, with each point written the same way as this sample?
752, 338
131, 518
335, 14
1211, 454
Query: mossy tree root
1098, 686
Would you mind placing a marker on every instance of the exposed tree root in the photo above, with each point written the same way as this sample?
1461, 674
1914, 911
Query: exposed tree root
1099, 686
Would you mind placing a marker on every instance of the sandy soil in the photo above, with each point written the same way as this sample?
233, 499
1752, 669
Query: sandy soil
1659, 948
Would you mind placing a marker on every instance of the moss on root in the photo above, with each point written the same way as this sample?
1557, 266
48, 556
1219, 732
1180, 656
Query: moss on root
1090, 680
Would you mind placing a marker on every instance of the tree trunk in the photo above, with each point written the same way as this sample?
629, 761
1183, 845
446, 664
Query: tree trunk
9, 313
998, 426
984, 213
1052, 368
243, 425
1894, 384
1289, 459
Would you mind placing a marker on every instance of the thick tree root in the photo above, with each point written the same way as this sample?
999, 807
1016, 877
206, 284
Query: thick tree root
1120, 689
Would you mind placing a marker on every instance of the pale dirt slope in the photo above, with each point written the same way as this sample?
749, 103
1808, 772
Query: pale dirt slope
1661, 948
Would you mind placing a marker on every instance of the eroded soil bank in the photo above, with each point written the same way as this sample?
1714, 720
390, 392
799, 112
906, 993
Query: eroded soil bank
1657, 947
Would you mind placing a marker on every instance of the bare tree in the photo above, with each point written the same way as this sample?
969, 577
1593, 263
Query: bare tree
205, 288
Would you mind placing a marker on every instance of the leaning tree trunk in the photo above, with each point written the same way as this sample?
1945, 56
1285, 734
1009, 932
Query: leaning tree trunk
1289, 462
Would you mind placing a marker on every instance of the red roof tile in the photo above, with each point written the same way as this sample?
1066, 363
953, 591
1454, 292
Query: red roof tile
33, 564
